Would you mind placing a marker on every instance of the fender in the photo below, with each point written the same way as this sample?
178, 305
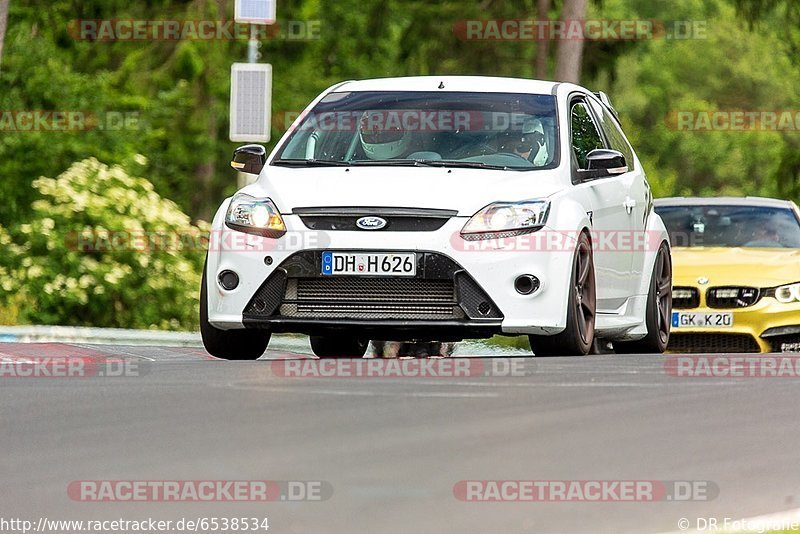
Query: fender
568, 217
213, 255
656, 234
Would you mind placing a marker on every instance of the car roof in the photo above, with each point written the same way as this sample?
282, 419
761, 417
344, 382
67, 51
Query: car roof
479, 84
724, 201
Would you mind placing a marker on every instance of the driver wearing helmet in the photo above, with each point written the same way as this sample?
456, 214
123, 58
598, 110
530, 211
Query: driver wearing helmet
379, 140
529, 142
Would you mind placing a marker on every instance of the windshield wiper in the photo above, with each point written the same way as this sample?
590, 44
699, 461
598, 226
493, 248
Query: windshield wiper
388, 162
311, 163
339, 163
426, 163
464, 164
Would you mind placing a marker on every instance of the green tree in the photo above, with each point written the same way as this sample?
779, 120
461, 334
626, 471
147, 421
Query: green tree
103, 249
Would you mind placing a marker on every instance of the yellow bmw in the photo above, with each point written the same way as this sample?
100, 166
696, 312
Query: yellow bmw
736, 274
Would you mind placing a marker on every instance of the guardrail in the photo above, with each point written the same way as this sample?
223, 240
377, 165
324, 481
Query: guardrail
125, 336
161, 338
97, 336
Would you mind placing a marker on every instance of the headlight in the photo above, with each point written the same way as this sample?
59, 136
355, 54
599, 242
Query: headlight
254, 216
506, 219
788, 293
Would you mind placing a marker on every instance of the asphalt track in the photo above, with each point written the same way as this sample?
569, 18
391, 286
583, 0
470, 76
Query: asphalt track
393, 448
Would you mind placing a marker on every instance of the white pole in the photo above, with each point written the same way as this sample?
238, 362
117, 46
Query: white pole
253, 44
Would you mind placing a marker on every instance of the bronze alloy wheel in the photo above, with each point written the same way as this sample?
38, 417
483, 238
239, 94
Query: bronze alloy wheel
578, 336
663, 296
585, 295
658, 315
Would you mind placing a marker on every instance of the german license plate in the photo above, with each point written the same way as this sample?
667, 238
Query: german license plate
702, 320
369, 263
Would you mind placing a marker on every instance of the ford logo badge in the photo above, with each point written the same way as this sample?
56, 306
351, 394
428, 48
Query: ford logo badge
371, 223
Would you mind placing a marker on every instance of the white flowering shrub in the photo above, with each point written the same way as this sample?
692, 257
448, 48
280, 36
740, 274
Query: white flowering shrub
102, 248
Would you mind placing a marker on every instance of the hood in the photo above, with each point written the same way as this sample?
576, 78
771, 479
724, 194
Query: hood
464, 190
756, 267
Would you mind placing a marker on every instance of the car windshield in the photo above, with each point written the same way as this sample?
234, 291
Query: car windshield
447, 129
731, 226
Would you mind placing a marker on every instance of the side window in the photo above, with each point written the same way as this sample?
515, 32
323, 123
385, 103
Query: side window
614, 133
585, 136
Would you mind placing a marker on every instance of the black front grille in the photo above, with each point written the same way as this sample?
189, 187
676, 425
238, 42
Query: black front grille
268, 297
732, 297
789, 343
370, 298
397, 219
393, 224
685, 298
297, 297
714, 343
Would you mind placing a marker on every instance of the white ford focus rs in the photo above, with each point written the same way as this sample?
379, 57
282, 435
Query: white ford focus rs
440, 209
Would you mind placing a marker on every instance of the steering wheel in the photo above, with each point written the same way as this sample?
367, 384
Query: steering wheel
470, 151
513, 154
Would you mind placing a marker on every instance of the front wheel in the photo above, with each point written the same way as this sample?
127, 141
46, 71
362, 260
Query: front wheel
578, 337
341, 346
239, 344
659, 309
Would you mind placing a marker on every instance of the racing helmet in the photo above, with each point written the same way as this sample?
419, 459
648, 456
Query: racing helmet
380, 139
533, 139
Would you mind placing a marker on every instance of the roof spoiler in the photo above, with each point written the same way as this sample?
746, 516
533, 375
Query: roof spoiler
606, 102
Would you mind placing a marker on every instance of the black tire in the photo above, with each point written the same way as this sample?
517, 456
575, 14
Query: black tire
340, 346
578, 337
242, 344
659, 310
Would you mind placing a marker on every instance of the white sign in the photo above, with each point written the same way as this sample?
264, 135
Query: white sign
255, 11
251, 102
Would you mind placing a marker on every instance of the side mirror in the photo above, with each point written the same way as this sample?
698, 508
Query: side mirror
249, 158
602, 162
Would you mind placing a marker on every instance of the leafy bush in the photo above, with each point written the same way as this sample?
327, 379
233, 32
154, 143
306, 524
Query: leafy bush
102, 249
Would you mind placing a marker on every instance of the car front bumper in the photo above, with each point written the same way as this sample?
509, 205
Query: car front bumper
483, 270
767, 326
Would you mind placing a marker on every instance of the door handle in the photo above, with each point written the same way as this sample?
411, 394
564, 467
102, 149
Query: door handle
629, 204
